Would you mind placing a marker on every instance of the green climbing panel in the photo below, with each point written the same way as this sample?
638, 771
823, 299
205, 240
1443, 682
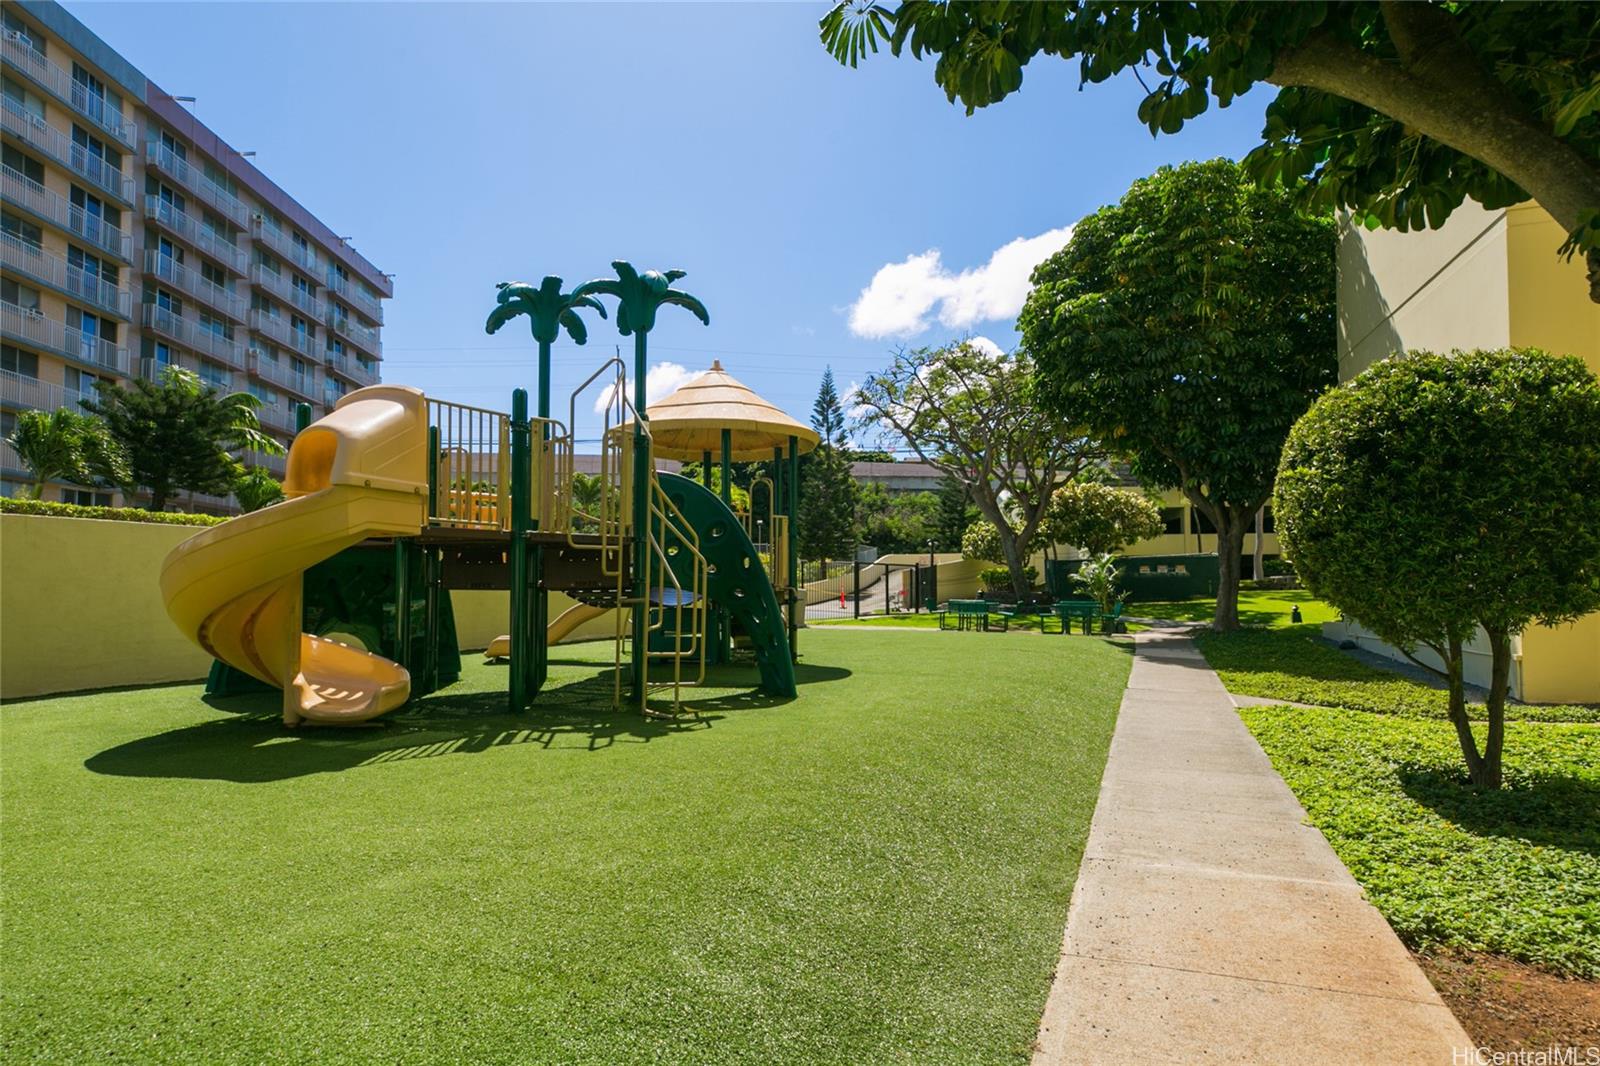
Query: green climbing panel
736, 579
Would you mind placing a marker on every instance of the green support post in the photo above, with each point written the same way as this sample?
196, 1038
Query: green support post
521, 473
402, 602
302, 416
641, 514
705, 468
433, 471
794, 539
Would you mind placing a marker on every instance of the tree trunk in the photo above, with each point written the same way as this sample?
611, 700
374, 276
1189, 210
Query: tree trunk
158, 499
1499, 685
1230, 549
1441, 89
38, 489
1014, 562
1256, 561
1455, 687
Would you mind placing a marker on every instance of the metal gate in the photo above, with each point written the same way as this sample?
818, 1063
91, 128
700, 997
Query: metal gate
859, 590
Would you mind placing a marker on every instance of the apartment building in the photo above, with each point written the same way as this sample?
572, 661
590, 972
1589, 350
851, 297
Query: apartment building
134, 239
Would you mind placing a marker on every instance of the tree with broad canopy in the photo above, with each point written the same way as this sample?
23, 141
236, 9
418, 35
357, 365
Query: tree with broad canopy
1394, 109
1188, 326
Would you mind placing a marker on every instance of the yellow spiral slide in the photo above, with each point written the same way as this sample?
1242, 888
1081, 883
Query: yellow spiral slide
235, 589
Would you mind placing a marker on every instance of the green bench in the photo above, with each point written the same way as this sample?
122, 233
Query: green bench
968, 614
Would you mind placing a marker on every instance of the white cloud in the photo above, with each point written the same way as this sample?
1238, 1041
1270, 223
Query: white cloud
986, 346
660, 380
900, 297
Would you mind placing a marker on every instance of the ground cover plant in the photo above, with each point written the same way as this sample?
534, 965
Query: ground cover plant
877, 871
1515, 871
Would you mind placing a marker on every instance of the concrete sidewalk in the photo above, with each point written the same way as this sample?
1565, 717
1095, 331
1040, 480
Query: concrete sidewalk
1208, 921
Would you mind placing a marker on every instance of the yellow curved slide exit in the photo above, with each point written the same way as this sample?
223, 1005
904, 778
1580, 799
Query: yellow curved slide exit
235, 589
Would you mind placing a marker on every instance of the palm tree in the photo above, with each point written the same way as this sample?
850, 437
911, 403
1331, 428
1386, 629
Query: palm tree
639, 297
60, 445
549, 311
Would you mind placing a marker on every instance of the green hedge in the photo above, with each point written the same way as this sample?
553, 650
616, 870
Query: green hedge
112, 514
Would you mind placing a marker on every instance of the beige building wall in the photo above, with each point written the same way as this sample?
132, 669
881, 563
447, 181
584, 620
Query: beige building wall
1486, 279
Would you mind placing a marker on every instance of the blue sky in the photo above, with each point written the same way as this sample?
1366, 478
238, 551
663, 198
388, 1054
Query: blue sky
464, 144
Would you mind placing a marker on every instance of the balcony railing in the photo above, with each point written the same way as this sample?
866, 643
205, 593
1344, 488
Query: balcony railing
192, 335
352, 369
301, 256
357, 297
274, 328
192, 178
278, 416
19, 390
25, 125
364, 337
23, 257
34, 329
59, 82
276, 465
191, 232
195, 284
10, 460
28, 194
280, 373
283, 289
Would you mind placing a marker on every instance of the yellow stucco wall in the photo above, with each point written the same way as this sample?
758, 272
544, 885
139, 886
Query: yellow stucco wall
80, 608
1562, 665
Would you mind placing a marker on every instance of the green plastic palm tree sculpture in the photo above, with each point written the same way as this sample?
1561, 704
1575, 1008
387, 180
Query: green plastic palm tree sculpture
549, 311
639, 297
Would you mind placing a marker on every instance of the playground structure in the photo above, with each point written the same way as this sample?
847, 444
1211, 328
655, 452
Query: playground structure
339, 595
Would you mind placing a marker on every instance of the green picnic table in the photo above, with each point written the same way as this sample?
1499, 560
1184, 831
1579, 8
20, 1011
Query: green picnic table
1069, 611
968, 614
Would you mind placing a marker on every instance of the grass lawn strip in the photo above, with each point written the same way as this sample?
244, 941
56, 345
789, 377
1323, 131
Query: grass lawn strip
877, 871
1514, 872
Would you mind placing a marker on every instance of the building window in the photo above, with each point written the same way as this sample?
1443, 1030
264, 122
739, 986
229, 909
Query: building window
86, 497
14, 292
96, 209
23, 164
216, 275
23, 100
260, 303
86, 144
92, 265
22, 230
90, 93
214, 376
1200, 523
1172, 519
216, 326
173, 145
168, 302
21, 32
18, 361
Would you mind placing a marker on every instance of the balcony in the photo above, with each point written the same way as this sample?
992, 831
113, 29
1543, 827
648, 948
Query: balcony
195, 284
192, 233
22, 191
19, 390
192, 178
302, 257
35, 330
283, 289
21, 257
276, 465
357, 297
192, 336
352, 369
363, 337
58, 82
276, 329
281, 373
277, 417
39, 134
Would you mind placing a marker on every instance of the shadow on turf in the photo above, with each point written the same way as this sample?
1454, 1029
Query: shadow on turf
254, 747
1550, 811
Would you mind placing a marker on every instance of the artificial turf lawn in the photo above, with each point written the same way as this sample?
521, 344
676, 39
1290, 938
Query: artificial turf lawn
877, 871
1515, 872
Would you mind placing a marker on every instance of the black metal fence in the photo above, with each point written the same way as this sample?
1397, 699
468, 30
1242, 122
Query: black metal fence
856, 590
